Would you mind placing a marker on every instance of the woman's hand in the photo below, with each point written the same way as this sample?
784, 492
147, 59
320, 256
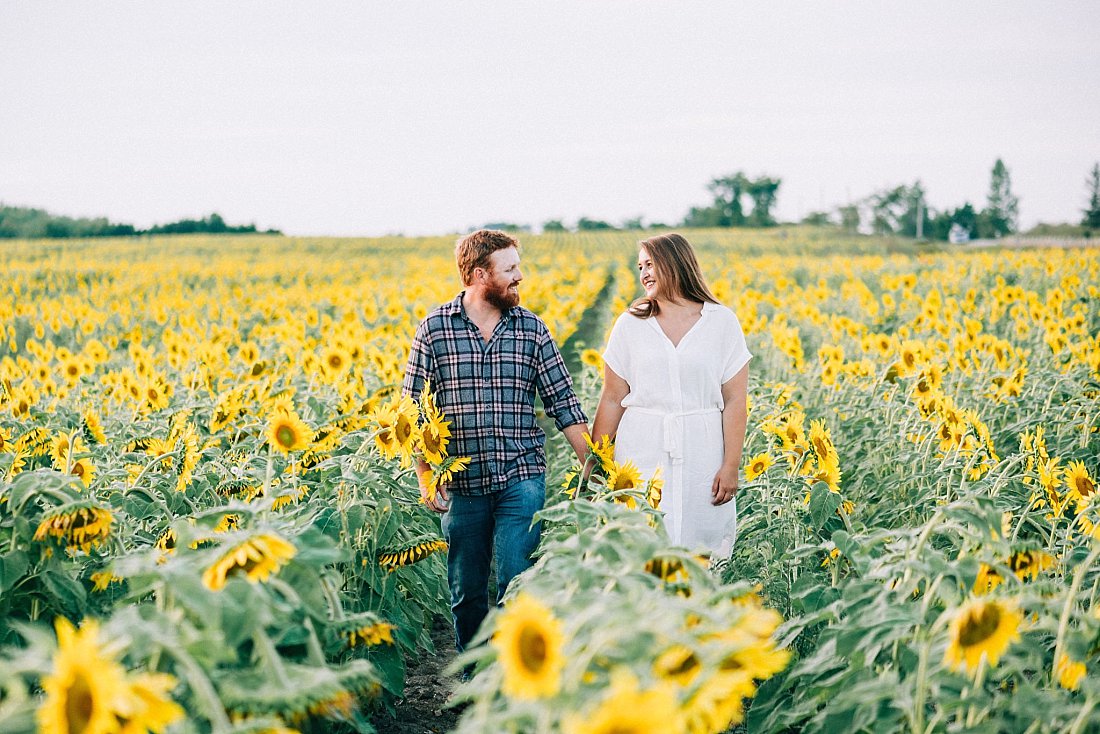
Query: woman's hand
724, 486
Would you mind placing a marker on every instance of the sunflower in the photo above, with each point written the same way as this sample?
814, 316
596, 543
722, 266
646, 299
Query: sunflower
410, 553
592, 358
92, 428
405, 428
65, 447
433, 438
149, 706
1081, 486
257, 557
102, 579
287, 432
603, 450
627, 709
85, 686
83, 526
335, 361
821, 441
623, 476
528, 641
84, 470
367, 629
981, 627
678, 664
654, 488
1028, 564
444, 473
757, 466
1070, 672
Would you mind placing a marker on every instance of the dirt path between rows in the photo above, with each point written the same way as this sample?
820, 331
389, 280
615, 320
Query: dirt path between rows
423, 708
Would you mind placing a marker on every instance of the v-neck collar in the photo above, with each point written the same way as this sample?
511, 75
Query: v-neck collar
702, 314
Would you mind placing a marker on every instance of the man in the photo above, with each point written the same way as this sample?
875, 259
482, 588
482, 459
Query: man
486, 356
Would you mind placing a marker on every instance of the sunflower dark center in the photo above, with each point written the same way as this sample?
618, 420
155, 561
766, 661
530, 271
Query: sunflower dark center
1085, 486
977, 628
78, 705
404, 430
285, 435
532, 649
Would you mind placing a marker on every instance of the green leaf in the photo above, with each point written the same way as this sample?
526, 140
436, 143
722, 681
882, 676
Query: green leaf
13, 567
69, 594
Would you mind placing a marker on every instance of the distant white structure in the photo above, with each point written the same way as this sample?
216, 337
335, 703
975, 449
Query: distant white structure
958, 234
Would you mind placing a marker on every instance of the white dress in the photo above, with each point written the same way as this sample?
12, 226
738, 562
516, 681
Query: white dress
673, 417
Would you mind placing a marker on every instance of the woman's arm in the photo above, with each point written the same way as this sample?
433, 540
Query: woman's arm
734, 418
610, 410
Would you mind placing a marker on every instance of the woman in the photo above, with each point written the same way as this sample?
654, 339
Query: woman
675, 380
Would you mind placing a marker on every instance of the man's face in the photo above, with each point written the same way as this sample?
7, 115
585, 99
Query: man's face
502, 278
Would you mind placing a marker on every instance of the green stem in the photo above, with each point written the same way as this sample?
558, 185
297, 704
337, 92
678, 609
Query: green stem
1082, 716
1067, 608
203, 690
265, 648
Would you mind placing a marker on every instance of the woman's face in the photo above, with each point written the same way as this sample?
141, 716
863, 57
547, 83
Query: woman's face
647, 274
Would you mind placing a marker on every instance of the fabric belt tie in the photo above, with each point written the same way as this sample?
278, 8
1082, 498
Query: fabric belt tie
673, 425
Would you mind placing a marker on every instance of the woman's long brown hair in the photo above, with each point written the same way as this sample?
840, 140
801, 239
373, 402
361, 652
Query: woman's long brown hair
678, 274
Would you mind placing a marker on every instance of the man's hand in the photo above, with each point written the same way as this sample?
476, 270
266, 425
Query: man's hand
724, 486
438, 503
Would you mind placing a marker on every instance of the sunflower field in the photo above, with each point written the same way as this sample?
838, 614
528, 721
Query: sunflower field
209, 521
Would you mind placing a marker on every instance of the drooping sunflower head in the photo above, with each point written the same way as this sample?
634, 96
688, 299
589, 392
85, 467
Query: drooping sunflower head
981, 627
257, 557
80, 526
529, 641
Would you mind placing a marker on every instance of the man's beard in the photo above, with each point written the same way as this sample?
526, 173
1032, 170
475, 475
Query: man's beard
503, 299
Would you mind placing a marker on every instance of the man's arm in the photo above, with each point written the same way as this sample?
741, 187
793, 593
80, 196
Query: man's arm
575, 434
555, 386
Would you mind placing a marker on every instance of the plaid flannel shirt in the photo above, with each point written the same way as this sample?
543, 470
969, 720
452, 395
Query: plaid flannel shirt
487, 391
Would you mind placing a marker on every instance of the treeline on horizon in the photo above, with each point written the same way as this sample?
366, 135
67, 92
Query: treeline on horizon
29, 223
741, 201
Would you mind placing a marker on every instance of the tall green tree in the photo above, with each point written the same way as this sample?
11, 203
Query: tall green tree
1092, 214
728, 192
849, 217
1002, 207
762, 191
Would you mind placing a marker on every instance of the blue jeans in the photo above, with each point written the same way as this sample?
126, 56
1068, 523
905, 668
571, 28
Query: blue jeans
476, 527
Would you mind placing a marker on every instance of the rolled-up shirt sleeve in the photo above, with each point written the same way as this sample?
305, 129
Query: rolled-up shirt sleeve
555, 386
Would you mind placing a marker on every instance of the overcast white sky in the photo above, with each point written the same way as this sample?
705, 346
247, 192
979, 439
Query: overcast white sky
362, 118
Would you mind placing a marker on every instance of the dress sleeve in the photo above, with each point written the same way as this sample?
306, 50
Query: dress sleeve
615, 354
737, 353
